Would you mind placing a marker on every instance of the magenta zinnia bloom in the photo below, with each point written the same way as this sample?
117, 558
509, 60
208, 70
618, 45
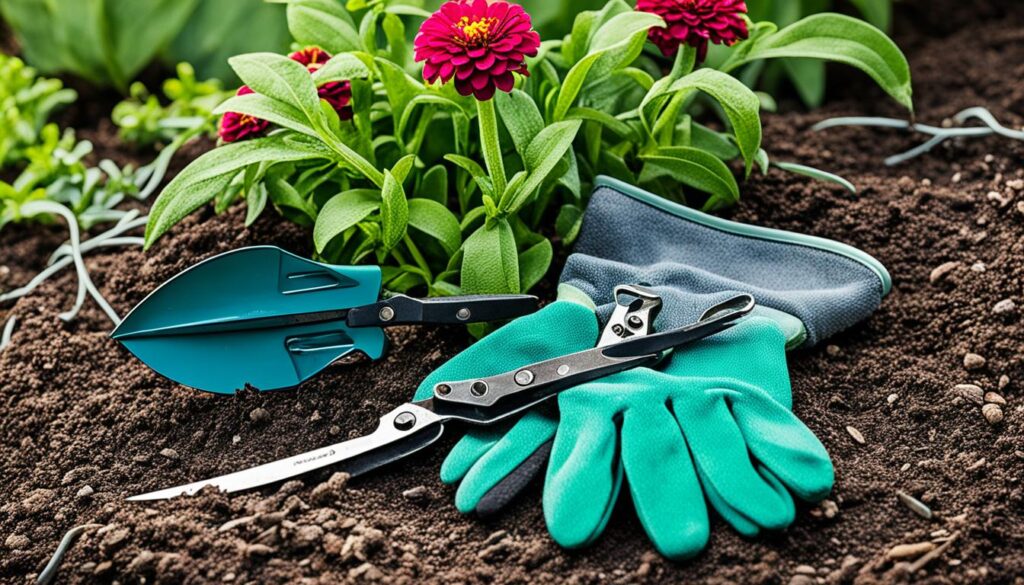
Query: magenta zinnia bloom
235, 126
479, 43
336, 93
695, 22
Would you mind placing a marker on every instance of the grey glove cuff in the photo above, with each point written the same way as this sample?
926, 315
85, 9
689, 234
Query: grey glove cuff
695, 260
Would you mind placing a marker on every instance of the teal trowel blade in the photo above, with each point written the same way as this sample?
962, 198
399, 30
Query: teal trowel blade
259, 316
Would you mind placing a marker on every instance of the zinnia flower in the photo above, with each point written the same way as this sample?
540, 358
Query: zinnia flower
695, 22
235, 126
479, 43
337, 93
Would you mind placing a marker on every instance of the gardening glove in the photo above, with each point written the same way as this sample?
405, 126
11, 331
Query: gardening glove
561, 328
693, 261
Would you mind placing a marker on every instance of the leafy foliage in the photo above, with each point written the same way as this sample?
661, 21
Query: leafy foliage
806, 75
144, 120
108, 42
451, 195
26, 102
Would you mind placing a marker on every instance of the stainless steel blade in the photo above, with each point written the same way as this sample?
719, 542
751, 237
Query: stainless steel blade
395, 428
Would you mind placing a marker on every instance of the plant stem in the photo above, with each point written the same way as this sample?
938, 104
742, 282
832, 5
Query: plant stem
419, 259
686, 60
491, 146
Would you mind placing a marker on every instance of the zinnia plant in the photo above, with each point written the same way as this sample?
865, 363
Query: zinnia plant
455, 162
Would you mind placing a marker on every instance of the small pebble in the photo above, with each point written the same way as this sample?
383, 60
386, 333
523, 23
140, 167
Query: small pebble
259, 415
805, 570
970, 393
915, 505
910, 551
905, 467
236, 440
16, 541
995, 398
941, 271
416, 494
892, 398
957, 177
1004, 381
977, 465
1016, 184
973, 361
833, 350
993, 413
857, 436
978, 267
228, 577
169, 453
85, 492
1004, 306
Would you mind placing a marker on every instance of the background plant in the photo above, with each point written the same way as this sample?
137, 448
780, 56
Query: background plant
406, 183
26, 103
108, 42
806, 75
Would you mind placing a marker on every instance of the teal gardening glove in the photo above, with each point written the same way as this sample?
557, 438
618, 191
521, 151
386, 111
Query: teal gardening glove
725, 400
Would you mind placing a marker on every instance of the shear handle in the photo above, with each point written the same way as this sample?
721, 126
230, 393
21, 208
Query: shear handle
405, 310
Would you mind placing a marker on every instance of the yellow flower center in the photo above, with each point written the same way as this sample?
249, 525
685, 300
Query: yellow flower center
475, 32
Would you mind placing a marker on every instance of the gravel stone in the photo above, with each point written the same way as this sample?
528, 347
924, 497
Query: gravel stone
993, 413
1004, 306
259, 415
995, 398
941, 271
970, 392
973, 361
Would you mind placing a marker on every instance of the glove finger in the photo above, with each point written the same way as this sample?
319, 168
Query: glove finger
584, 476
663, 483
720, 452
470, 448
503, 457
782, 443
736, 519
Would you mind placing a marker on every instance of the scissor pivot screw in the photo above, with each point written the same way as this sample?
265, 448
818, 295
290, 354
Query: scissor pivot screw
635, 322
464, 314
405, 421
563, 370
443, 390
478, 388
618, 329
524, 377
387, 314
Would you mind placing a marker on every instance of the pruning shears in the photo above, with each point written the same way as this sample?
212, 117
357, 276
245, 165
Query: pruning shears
264, 317
627, 342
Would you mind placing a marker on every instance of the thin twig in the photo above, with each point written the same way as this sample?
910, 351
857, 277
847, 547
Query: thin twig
5, 337
50, 571
938, 135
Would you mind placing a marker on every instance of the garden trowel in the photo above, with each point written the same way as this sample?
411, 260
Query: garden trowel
270, 319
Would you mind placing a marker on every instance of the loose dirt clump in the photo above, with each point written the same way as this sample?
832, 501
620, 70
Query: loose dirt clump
85, 425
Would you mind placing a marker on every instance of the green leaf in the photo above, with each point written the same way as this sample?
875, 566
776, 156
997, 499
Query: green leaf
283, 194
740, 104
403, 167
211, 173
490, 264
343, 67
341, 212
568, 223
521, 116
435, 220
269, 109
434, 185
279, 77
534, 264
394, 211
695, 168
400, 87
808, 76
817, 174
324, 23
256, 202
545, 152
877, 12
843, 39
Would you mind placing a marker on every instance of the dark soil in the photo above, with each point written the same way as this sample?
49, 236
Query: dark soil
79, 411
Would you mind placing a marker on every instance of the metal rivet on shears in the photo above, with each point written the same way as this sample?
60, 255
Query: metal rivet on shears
464, 314
443, 390
386, 314
478, 388
563, 370
524, 377
635, 322
405, 421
